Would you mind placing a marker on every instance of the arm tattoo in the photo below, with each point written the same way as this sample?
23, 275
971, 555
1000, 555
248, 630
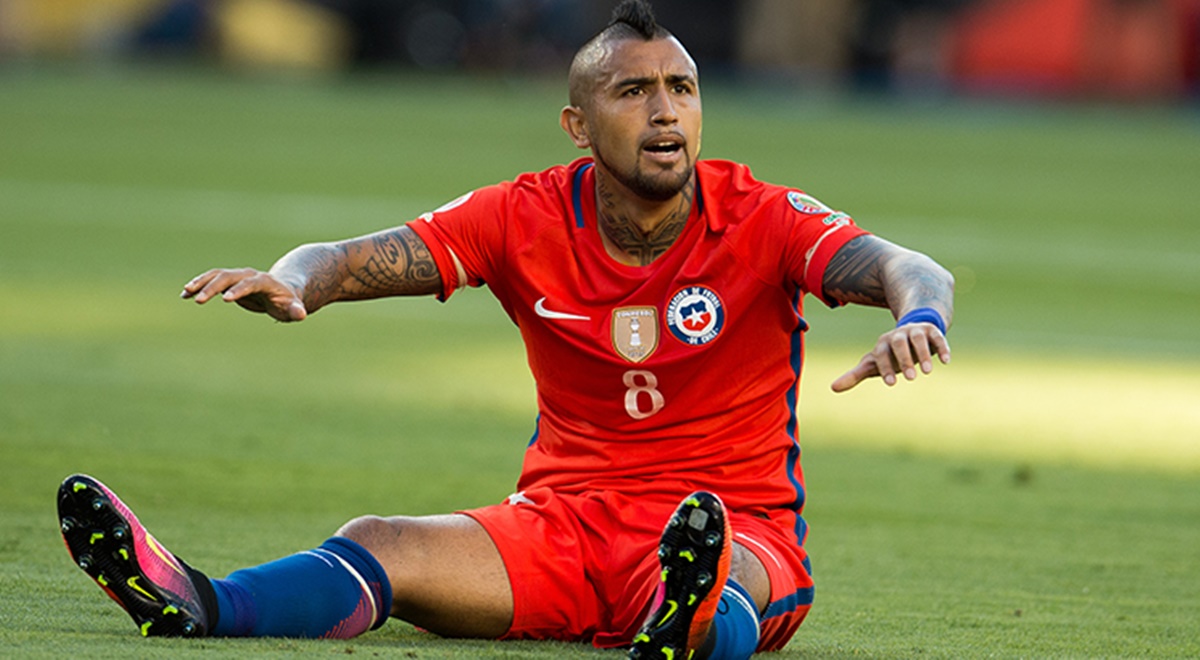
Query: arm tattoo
871, 271
623, 232
314, 270
392, 263
917, 284
855, 275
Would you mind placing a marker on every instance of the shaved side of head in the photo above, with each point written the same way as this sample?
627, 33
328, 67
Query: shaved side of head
632, 19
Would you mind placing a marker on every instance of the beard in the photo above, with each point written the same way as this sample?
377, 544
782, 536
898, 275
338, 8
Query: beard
658, 188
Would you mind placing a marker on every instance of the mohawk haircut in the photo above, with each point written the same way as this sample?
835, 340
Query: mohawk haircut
636, 17
632, 19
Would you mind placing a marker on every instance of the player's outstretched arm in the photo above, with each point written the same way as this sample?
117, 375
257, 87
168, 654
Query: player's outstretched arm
871, 271
394, 262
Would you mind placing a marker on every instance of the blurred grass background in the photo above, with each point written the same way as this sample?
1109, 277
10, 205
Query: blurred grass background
1038, 497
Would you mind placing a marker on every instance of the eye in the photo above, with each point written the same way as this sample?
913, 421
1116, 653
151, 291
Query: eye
634, 91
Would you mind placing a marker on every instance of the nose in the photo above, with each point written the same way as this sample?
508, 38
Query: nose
662, 111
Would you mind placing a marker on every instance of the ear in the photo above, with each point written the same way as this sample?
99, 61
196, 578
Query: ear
574, 123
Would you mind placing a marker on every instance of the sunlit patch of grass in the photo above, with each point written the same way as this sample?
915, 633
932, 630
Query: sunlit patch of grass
1106, 412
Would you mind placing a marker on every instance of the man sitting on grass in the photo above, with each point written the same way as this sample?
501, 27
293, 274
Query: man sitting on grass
660, 301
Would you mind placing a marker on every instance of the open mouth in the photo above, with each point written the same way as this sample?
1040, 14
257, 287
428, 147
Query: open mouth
664, 147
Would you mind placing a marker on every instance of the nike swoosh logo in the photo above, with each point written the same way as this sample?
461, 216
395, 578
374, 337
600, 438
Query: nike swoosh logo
132, 582
540, 308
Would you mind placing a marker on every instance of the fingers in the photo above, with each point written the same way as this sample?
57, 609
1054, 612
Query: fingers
898, 351
251, 289
943, 347
863, 370
217, 281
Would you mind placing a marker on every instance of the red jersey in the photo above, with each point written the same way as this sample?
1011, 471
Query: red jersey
661, 379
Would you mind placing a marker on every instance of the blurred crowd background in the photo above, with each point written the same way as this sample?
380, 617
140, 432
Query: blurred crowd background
1111, 49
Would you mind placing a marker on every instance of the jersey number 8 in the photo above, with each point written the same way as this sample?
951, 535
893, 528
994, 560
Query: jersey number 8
639, 382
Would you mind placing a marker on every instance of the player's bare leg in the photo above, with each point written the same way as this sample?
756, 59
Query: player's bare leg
746, 569
446, 573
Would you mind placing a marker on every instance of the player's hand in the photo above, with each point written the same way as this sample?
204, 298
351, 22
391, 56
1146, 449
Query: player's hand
252, 289
899, 351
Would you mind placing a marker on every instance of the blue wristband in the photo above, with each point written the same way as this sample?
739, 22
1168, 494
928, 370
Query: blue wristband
923, 315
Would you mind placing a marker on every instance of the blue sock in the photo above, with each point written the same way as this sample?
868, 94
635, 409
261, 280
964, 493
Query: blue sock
736, 626
338, 590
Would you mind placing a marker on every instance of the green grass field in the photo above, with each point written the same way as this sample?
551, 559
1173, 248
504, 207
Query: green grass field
1039, 497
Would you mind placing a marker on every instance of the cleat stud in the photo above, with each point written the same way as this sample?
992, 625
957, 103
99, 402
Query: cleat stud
84, 561
712, 539
120, 532
97, 504
703, 579
67, 525
664, 551
676, 521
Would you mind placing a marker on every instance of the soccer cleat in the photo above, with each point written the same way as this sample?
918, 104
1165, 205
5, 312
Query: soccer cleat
106, 540
694, 554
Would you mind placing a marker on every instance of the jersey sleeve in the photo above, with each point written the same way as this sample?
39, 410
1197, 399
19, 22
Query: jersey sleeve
817, 232
471, 229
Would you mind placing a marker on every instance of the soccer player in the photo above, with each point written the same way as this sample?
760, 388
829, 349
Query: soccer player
660, 301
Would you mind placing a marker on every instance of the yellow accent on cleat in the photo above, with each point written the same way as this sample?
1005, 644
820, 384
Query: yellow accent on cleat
663, 576
132, 582
641, 638
124, 554
146, 628
78, 486
668, 653
692, 501
96, 536
162, 554
687, 554
691, 600
101, 580
170, 609
670, 613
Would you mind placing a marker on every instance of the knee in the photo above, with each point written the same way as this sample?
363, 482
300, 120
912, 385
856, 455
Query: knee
371, 532
748, 571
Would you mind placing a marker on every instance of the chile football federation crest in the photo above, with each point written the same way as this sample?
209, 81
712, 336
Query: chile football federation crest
635, 332
695, 315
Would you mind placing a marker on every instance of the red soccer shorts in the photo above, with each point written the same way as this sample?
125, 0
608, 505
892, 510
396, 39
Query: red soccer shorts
583, 567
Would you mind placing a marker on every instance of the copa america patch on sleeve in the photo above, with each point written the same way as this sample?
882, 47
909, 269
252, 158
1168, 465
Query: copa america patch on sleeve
807, 204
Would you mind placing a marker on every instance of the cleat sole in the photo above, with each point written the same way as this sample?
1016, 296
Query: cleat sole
86, 512
693, 554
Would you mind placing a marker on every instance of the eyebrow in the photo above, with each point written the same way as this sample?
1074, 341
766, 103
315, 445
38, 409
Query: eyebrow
648, 80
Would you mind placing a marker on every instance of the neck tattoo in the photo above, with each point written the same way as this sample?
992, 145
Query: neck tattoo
625, 234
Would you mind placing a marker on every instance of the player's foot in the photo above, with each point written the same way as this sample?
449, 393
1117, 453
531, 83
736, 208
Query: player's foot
106, 540
694, 554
